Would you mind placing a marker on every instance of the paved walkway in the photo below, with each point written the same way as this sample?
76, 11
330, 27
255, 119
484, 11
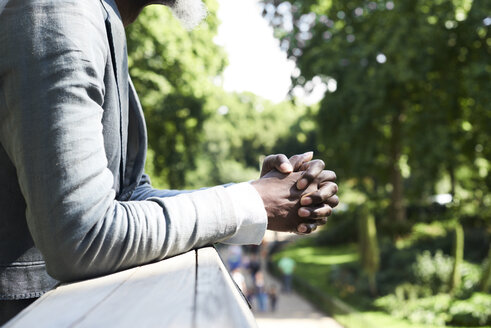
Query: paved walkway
292, 311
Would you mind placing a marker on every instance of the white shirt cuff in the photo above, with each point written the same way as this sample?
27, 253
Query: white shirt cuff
252, 218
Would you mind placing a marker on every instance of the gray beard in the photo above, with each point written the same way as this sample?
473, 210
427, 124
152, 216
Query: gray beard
189, 12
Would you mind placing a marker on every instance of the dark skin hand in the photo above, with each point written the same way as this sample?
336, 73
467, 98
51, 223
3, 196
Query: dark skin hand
315, 204
282, 200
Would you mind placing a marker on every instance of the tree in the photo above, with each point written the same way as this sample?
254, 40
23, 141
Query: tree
200, 135
173, 71
411, 99
241, 129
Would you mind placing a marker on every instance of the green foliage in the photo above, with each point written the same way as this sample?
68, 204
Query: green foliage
475, 311
328, 276
340, 229
200, 135
440, 310
240, 131
433, 271
172, 70
430, 310
412, 99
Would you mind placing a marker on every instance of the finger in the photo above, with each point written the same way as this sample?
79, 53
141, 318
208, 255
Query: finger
320, 211
298, 160
325, 175
332, 201
326, 191
314, 168
306, 228
279, 162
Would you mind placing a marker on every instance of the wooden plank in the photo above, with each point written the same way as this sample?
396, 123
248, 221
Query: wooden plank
163, 294
218, 302
156, 295
66, 304
140, 296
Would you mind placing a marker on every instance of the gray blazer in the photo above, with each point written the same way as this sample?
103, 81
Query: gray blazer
74, 200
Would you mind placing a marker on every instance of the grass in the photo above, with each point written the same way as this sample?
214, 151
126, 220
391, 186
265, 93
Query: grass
314, 264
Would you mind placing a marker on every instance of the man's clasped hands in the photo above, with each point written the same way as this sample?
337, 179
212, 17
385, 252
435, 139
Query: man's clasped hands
297, 192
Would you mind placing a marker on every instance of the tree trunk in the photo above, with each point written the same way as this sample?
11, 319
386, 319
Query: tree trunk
398, 211
458, 255
368, 248
485, 283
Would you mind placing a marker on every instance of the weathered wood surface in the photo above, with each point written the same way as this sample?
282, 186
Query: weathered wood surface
216, 292
189, 290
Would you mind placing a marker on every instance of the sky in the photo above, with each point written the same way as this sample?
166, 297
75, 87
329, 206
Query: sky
256, 62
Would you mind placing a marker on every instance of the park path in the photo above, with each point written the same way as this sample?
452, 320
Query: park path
292, 311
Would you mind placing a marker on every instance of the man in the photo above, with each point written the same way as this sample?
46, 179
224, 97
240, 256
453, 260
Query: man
287, 266
74, 200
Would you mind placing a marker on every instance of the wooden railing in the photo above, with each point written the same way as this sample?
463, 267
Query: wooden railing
189, 290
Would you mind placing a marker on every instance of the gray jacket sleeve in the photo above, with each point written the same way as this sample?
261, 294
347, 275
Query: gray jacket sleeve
51, 95
145, 190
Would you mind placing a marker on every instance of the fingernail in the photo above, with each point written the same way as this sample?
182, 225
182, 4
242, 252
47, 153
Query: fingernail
303, 212
286, 167
302, 228
302, 184
306, 201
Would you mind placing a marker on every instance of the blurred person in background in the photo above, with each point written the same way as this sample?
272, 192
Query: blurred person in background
254, 266
261, 292
287, 266
273, 298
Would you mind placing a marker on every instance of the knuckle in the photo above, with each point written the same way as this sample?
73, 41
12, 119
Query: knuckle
318, 163
317, 197
269, 158
331, 175
281, 158
295, 158
308, 175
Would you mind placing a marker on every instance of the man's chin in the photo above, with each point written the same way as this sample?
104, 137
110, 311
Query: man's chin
189, 12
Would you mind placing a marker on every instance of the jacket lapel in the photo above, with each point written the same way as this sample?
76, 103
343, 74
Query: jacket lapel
117, 43
137, 144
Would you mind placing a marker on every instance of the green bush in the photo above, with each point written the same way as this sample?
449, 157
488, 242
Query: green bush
429, 310
475, 311
439, 310
423, 301
433, 271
